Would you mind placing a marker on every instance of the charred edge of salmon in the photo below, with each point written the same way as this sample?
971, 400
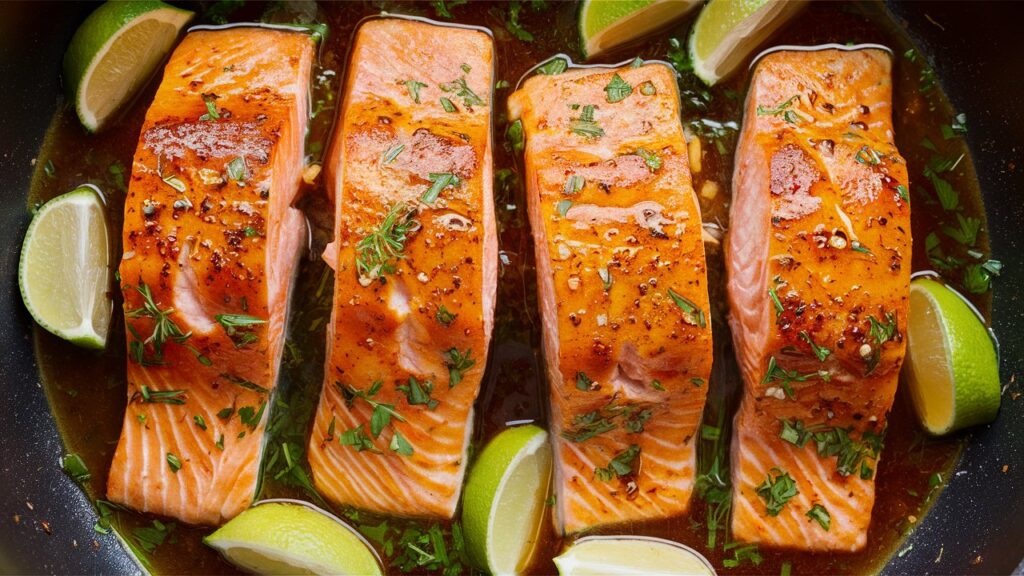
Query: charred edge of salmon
607, 177
209, 231
818, 289
408, 121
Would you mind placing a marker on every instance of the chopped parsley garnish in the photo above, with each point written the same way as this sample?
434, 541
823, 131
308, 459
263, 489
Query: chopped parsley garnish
239, 327
250, 416
820, 351
390, 154
512, 22
880, 333
200, 422
563, 207
444, 317
967, 232
164, 329
514, 136
439, 181
583, 382
597, 422
585, 125
868, 155
697, 381
225, 413
148, 538
458, 363
417, 392
692, 314
211, 108
448, 105
174, 462
777, 490
656, 384
819, 514
619, 466
978, 277
573, 184
173, 181
413, 86
400, 445
903, 192
237, 169
75, 467
357, 438
553, 67
618, 89
383, 247
650, 158
161, 396
462, 90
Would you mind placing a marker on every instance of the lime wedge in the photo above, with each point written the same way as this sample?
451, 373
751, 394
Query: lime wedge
607, 24
114, 52
64, 271
292, 537
630, 556
727, 31
503, 504
951, 365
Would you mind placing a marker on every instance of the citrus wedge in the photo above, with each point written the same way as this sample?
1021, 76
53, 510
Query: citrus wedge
503, 503
607, 24
114, 52
64, 271
285, 537
630, 556
727, 31
951, 365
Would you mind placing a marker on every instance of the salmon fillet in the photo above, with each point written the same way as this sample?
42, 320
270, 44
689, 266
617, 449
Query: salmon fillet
415, 259
210, 245
622, 288
819, 269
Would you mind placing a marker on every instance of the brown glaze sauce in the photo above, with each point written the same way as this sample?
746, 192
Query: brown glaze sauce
86, 390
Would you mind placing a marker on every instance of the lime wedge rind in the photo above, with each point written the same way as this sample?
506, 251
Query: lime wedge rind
611, 555
64, 280
503, 502
727, 31
283, 536
121, 44
608, 24
952, 365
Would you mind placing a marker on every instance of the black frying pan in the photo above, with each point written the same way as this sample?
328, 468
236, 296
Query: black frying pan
978, 522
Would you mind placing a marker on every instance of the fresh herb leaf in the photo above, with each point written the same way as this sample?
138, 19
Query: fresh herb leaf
692, 314
679, 56
617, 89
583, 382
779, 309
868, 155
164, 328
161, 396
148, 538
443, 7
903, 192
656, 384
967, 233
620, 465
563, 207
237, 169
514, 136
585, 125
820, 351
553, 67
573, 184
438, 183
211, 108
200, 422
419, 393
75, 467
444, 317
413, 86
650, 158
978, 277
448, 105
458, 363
777, 490
357, 438
242, 382
512, 22
238, 326
776, 373
777, 110
819, 514
462, 90
174, 462
390, 154
400, 445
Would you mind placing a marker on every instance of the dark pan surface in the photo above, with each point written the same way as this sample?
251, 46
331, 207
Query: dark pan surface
977, 525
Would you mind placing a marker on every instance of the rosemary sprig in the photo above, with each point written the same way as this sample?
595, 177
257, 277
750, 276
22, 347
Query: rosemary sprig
383, 247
